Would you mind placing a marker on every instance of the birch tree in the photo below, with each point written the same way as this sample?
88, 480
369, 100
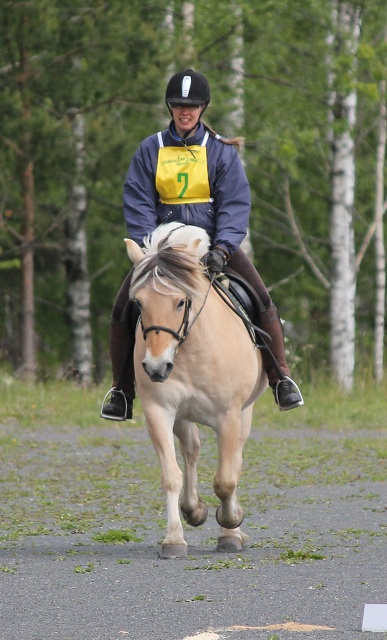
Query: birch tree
78, 282
343, 101
235, 116
380, 254
188, 15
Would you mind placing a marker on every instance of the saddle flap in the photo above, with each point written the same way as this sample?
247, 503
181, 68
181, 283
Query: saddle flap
239, 299
244, 294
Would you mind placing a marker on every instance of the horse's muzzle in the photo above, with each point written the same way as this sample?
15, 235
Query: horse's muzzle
160, 373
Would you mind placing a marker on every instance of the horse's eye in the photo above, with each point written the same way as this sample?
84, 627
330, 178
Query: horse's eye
181, 304
137, 302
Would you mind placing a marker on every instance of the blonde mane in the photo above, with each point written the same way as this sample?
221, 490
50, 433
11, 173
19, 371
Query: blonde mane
171, 259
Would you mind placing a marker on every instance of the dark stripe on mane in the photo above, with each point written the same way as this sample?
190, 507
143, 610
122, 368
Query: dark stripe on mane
172, 266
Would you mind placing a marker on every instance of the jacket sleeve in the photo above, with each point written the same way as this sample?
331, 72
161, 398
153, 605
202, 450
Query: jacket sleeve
140, 195
232, 200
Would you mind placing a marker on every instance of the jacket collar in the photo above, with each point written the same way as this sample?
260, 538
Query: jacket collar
173, 139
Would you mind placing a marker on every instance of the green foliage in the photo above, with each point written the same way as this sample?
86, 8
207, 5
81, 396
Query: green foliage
111, 60
7, 265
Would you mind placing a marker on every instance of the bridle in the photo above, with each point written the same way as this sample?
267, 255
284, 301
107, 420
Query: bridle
181, 334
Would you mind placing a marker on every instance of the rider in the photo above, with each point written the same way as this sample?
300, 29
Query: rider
189, 173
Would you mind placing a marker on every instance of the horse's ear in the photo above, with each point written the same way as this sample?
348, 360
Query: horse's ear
135, 252
199, 247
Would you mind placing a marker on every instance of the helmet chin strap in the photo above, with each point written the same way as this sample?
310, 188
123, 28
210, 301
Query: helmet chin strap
187, 133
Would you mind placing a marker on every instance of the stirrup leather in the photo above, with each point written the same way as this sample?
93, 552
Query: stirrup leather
106, 401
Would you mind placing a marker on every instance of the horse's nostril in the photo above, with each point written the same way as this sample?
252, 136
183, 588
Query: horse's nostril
168, 368
158, 373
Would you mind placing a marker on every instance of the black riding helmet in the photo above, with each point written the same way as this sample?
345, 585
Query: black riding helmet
188, 87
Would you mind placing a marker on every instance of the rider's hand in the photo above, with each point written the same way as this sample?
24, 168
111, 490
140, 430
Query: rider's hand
215, 260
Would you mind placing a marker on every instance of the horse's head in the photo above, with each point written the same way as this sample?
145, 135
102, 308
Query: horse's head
167, 278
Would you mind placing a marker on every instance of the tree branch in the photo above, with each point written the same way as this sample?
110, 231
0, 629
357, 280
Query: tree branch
368, 238
298, 236
13, 146
285, 280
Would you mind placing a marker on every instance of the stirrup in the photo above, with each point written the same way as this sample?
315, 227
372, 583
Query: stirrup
299, 403
106, 401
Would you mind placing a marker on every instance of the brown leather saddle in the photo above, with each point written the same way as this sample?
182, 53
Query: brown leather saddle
239, 294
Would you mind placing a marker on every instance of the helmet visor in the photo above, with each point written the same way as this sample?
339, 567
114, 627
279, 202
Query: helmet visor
188, 101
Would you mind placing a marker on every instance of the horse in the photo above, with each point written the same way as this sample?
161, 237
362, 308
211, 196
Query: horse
194, 362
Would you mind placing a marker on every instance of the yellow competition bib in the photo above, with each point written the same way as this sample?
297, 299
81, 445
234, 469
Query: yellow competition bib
182, 175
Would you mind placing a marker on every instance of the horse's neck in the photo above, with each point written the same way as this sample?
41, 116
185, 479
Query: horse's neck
207, 307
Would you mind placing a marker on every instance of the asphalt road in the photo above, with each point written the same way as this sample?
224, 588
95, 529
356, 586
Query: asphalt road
71, 587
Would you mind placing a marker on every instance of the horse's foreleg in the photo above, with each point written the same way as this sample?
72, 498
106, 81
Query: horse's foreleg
232, 435
192, 506
161, 433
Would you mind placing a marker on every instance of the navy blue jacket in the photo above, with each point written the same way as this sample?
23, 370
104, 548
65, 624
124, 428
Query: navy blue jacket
225, 217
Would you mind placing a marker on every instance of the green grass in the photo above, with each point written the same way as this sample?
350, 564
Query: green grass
117, 536
327, 407
55, 403
89, 568
294, 557
60, 403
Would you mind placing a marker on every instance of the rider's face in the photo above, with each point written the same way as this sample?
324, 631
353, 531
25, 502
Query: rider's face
186, 117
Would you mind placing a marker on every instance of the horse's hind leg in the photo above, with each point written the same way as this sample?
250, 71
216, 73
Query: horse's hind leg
192, 506
231, 540
160, 429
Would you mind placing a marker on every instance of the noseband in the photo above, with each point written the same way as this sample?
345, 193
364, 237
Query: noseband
182, 332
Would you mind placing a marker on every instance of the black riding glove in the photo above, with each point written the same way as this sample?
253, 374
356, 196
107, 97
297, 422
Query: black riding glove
215, 260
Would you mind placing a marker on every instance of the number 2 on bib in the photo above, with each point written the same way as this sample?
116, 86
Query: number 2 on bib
183, 177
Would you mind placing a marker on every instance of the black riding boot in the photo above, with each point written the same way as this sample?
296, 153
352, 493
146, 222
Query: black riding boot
118, 402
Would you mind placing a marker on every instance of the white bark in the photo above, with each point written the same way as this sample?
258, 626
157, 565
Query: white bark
78, 282
169, 31
233, 120
380, 253
188, 13
346, 23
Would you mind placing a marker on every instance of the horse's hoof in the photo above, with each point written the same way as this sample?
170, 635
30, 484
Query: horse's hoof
198, 516
230, 544
169, 551
229, 525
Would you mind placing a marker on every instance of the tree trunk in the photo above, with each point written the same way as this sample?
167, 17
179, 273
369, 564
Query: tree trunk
233, 121
380, 254
346, 24
188, 14
28, 366
78, 282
